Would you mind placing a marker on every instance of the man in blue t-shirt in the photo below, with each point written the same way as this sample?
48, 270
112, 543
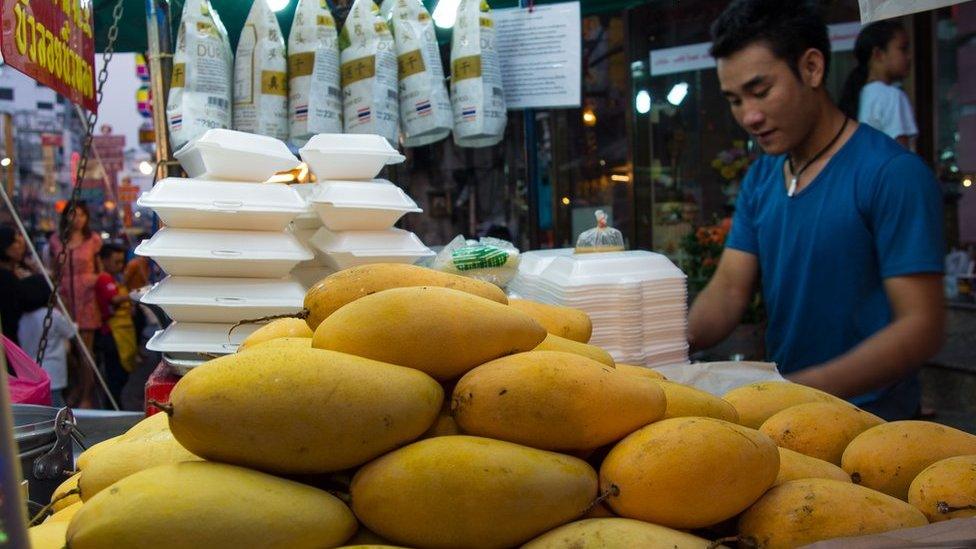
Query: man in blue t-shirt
842, 226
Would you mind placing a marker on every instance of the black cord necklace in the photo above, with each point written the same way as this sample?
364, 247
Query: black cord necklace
798, 173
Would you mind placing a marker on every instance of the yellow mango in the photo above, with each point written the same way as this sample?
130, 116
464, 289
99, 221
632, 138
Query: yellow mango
202, 504
888, 457
82, 461
686, 401
282, 343
282, 327
554, 401
61, 501
616, 533
65, 515
365, 538
445, 425
563, 345
435, 330
796, 466
641, 371
338, 289
300, 411
152, 424
801, 512
50, 535
946, 489
565, 322
688, 472
470, 492
819, 429
757, 402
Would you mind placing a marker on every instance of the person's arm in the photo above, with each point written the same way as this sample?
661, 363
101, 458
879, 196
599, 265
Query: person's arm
719, 307
915, 334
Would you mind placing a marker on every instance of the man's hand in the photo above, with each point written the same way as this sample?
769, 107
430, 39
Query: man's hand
915, 334
719, 307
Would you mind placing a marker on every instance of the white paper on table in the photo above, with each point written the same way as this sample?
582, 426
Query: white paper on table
719, 378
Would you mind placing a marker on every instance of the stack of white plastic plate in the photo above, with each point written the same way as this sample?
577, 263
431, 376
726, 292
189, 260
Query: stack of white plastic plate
637, 300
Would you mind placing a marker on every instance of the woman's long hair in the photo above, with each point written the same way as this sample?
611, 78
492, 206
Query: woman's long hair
85, 231
874, 36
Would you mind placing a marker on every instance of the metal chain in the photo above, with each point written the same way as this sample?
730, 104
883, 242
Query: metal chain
70, 208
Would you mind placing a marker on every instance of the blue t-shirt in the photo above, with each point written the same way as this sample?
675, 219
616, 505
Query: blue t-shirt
874, 212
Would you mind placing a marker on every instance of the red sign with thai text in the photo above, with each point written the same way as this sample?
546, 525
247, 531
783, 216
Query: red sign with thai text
52, 41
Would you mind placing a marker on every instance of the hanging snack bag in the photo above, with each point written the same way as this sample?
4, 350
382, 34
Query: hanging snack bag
369, 73
200, 90
314, 89
425, 108
603, 238
261, 75
476, 79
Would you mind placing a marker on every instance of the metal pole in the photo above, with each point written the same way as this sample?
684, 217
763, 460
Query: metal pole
531, 164
10, 146
13, 511
160, 58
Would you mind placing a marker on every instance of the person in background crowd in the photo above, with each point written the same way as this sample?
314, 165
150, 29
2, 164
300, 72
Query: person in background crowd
34, 297
12, 248
138, 271
116, 312
870, 95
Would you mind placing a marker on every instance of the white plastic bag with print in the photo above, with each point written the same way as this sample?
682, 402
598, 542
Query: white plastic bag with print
200, 89
425, 108
314, 88
477, 96
261, 75
369, 73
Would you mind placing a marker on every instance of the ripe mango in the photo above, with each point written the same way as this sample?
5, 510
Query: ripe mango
59, 499
946, 489
152, 424
282, 327
343, 287
757, 402
801, 512
796, 466
64, 515
563, 345
282, 343
300, 411
213, 505
50, 535
554, 401
688, 472
445, 425
686, 401
819, 429
615, 533
565, 322
887, 458
641, 371
435, 330
471, 492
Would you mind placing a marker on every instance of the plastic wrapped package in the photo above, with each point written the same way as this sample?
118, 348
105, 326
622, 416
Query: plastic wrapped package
490, 259
477, 95
200, 89
603, 238
369, 73
261, 75
314, 87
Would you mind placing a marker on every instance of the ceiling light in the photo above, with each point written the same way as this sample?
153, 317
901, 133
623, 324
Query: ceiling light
643, 102
623, 178
5, 162
445, 14
678, 93
968, 182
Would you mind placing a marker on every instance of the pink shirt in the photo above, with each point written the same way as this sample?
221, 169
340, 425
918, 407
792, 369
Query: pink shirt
78, 281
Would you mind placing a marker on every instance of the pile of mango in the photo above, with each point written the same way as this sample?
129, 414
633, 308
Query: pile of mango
420, 409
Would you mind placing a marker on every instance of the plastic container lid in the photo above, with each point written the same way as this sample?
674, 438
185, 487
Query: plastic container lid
183, 338
338, 156
223, 300
357, 206
341, 250
249, 254
609, 268
201, 204
235, 156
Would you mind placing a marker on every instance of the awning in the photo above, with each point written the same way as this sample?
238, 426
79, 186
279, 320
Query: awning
876, 10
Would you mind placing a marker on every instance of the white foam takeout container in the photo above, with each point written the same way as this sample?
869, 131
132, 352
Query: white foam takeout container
220, 253
202, 204
357, 206
225, 300
308, 219
188, 340
229, 155
341, 250
343, 156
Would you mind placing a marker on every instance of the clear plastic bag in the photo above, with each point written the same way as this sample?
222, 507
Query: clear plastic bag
602, 238
489, 259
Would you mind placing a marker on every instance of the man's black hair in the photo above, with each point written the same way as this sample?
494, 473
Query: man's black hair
787, 27
110, 248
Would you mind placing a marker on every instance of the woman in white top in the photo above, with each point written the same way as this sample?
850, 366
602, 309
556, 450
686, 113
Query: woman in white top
870, 94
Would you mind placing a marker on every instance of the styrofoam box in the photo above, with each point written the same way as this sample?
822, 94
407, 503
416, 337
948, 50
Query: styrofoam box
309, 276
358, 206
229, 155
198, 299
341, 250
202, 204
187, 338
341, 156
249, 254
307, 219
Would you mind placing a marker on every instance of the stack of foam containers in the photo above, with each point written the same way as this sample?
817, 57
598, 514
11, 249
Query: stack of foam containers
225, 247
636, 299
351, 214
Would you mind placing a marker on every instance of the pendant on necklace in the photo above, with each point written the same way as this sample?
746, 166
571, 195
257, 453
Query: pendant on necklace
792, 189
